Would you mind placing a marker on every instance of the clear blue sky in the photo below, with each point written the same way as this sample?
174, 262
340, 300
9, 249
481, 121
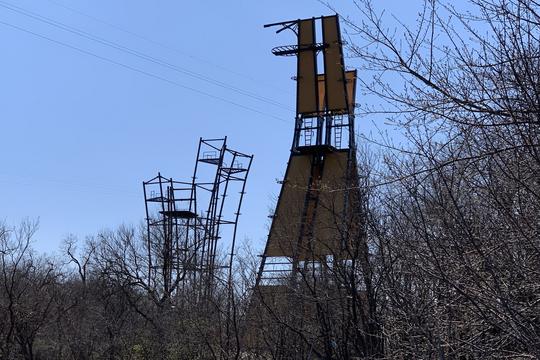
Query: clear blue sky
80, 132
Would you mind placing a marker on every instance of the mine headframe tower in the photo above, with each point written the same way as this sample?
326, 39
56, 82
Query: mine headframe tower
316, 196
189, 223
317, 222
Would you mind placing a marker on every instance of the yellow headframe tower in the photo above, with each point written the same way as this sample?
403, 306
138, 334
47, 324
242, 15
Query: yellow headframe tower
317, 222
312, 220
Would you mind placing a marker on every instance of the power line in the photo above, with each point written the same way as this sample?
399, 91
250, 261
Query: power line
138, 54
160, 44
129, 67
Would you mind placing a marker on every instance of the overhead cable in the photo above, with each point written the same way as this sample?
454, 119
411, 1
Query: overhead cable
139, 54
144, 72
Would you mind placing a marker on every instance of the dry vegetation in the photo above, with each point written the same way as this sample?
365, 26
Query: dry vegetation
452, 263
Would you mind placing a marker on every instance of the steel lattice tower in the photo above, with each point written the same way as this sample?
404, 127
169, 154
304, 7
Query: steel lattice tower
186, 223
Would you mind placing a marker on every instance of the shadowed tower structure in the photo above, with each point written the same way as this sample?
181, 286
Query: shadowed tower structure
317, 222
192, 225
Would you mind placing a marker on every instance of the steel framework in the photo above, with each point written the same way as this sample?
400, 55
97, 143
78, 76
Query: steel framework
323, 157
190, 223
317, 224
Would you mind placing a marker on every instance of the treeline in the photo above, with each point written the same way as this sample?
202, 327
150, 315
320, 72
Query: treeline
455, 213
95, 303
449, 264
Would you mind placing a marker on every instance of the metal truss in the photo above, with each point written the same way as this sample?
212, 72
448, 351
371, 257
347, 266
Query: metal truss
192, 226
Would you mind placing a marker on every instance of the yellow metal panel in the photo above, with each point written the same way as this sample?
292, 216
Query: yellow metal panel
333, 65
322, 92
307, 68
350, 76
285, 228
329, 222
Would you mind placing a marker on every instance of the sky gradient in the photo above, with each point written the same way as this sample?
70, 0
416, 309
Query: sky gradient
98, 96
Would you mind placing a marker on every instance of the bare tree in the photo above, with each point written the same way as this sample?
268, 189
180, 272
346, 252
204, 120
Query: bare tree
457, 224
29, 289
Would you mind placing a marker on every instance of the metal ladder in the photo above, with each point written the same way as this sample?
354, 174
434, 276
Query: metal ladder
338, 131
308, 131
